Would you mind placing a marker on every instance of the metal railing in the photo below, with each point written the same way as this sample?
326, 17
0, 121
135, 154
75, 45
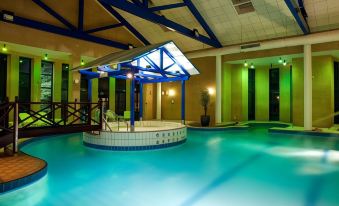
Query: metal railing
31, 119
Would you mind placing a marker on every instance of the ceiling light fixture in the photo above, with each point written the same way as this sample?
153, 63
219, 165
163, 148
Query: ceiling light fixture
196, 33
280, 61
129, 75
252, 66
245, 64
4, 48
46, 57
82, 62
285, 63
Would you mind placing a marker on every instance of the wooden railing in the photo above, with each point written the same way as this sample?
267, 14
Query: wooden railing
31, 119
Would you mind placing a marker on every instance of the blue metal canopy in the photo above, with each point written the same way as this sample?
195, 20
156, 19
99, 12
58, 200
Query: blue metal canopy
163, 62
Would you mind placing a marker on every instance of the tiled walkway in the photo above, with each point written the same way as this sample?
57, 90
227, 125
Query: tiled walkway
18, 166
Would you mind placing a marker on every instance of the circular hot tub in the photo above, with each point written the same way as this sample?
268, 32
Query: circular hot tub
148, 135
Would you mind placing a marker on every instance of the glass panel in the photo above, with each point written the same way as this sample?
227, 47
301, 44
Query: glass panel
46, 94
24, 80
64, 83
274, 94
46, 81
155, 57
180, 57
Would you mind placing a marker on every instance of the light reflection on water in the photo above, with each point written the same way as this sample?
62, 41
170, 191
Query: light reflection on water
212, 168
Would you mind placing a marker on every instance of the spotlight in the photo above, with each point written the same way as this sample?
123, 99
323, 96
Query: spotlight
129, 75
245, 64
280, 61
20, 61
285, 63
82, 62
4, 48
196, 33
46, 57
130, 46
252, 66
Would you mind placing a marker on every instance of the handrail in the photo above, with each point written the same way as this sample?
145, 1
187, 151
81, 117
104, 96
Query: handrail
72, 116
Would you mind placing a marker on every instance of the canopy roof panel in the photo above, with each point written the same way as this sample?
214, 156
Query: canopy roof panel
161, 62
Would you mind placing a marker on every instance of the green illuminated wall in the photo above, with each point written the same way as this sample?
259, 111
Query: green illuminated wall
235, 93
322, 91
262, 93
285, 94
226, 92
128, 95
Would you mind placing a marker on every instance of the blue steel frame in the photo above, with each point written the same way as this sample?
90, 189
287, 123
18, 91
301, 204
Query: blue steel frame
73, 31
139, 9
142, 78
298, 11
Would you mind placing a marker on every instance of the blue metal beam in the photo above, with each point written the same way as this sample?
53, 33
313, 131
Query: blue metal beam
81, 16
65, 32
164, 80
104, 28
201, 20
54, 14
165, 7
149, 15
124, 22
299, 17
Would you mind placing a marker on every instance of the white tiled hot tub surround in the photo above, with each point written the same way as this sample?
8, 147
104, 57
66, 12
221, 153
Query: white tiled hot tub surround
159, 134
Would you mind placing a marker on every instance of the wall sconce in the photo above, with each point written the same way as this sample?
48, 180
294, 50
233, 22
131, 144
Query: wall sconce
211, 90
171, 92
163, 93
76, 81
4, 48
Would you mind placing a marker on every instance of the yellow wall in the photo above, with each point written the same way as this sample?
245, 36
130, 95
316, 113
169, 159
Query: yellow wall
226, 92
322, 91
262, 93
194, 86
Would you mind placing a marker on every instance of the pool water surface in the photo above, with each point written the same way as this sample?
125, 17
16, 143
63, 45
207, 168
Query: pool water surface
245, 167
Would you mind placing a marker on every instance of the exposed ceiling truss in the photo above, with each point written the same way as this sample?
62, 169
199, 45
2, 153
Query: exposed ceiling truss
298, 10
71, 30
141, 9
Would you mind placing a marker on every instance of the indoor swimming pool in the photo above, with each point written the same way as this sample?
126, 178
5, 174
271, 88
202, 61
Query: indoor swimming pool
231, 167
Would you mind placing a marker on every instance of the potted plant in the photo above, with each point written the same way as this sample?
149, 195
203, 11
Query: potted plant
204, 101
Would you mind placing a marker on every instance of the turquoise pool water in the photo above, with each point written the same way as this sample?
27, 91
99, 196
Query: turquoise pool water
212, 168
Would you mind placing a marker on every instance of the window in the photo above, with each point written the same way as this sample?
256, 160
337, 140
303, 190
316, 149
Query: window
3, 77
120, 96
24, 82
46, 81
64, 83
251, 94
103, 87
274, 94
84, 89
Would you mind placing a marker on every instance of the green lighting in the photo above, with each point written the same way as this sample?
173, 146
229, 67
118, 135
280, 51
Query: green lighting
4, 48
82, 62
280, 61
46, 57
20, 61
285, 63
245, 64
252, 66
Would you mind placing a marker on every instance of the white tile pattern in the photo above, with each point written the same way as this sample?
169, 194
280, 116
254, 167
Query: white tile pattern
141, 138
